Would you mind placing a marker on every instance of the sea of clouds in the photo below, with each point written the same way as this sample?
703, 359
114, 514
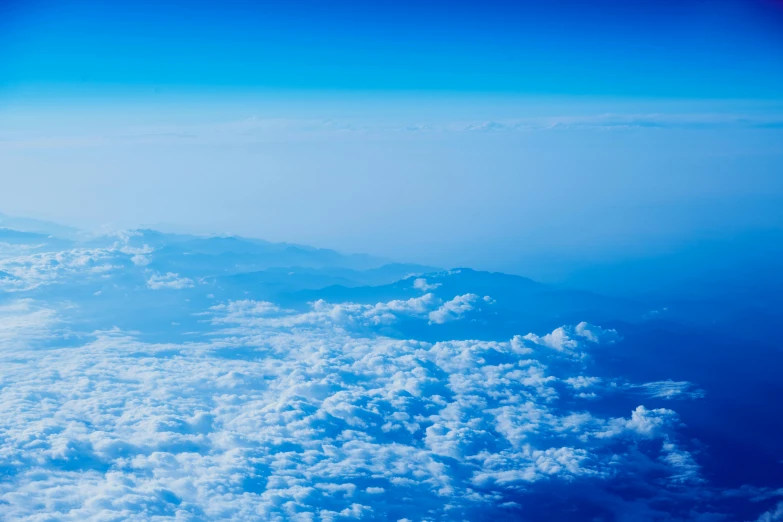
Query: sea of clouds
315, 414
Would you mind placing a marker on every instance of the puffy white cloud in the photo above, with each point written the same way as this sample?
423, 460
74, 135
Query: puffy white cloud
244, 310
572, 339
364, 314
420, 283
532, 465
27, 270
140, 260
455, 309
32, 271
286, 415
322, 313
650, 423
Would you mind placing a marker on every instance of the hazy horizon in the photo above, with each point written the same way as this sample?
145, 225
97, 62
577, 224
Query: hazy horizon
511, 184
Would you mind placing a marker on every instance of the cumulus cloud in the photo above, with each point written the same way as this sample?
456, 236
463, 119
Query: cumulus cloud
650, 423
573, 339
31, 271
420, 283
28, 270
426, 307
377, 314
309, 413
278, 415
140, 260
453, 310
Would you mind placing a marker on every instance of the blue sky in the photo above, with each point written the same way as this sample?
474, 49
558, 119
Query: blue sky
663, 49
520, 136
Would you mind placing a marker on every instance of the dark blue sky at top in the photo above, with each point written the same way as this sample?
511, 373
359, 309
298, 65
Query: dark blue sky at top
716, 49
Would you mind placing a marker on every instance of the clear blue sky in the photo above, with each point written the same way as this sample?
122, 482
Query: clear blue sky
497, 134
691, 48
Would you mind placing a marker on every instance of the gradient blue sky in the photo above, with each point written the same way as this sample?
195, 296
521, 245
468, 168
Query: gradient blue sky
503, 135
722, 48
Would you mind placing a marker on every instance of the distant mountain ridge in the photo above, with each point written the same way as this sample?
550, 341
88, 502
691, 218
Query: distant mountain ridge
52, 236
45, 228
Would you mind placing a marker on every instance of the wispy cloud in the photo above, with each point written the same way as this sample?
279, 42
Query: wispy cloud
169, 280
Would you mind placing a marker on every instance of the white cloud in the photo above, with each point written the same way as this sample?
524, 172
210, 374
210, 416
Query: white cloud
322, 313
421, 284
285, 415
170, 281
140, 260
531, 465
572, 339
581, 382
670, 390
650, 423
27, 271
681, 462
23, 323
372, 315
35, 270
453, 310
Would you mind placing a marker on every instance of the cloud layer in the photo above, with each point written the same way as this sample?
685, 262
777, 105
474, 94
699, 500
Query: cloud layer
283, 415
321, 410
